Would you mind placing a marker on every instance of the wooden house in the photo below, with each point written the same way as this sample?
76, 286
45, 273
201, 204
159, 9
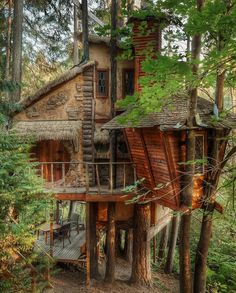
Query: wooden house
70, 119
65, 118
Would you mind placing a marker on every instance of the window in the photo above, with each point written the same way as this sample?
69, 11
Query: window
199, 153
102, 83
128, 82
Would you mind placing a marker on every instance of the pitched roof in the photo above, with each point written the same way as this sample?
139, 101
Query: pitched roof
66, 76
174, 116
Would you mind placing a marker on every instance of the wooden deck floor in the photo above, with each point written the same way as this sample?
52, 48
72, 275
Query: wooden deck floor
71, 251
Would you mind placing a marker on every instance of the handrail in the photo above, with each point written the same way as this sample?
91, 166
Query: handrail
96, 177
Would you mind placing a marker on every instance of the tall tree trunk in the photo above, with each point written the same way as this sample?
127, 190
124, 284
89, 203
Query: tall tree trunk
8, 46
173, 239
85, 30
75, 43
141, 265
110, 268
129, 245
163, 242
216, 156
186, 195
17, 46
111, 235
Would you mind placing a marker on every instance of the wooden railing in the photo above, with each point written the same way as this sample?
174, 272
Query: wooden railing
99, 177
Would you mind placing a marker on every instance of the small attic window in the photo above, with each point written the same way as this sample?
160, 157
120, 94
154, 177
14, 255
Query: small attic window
102, 83
199, 153
128, 82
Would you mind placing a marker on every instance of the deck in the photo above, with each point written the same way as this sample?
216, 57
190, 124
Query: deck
102, 187
70, 252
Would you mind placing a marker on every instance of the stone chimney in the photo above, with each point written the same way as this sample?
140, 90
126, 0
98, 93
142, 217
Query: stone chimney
146, 38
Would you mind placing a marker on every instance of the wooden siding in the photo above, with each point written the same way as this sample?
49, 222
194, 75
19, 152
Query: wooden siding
157, 156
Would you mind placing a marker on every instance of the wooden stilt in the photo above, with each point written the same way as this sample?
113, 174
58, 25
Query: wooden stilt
87, 244
51, 234
93, 240
154, 249
163, 242
111, 233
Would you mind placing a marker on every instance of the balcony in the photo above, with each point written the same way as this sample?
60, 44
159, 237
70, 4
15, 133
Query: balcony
87, 179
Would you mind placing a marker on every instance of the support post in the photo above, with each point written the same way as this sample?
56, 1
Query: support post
51, 234
163, 242
87, 244
93, 209
111, 234
173, 239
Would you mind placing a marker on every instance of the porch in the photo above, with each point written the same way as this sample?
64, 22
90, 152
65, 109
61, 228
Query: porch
70, 253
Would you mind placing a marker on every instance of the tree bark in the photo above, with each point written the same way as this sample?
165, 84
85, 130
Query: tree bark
141, 265
8, 46
111, 235
215, 157
186, 196
129, 245
163, 242
75, 43
17, 47
173, 239
85, 30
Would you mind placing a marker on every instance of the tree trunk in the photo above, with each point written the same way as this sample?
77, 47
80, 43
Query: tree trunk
8, 46
129, 245
173, 239
185, 280
215, 155
141, 265
17, 47
75, 43
111, 235
186, 195
163, 242
85, 30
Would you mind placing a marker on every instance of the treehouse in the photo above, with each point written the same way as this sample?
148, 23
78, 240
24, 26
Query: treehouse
157, 143
65, 119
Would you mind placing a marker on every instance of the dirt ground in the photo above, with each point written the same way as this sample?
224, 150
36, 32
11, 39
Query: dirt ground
73, 281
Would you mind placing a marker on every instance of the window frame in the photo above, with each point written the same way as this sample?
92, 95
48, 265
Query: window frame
123, 80
98, 95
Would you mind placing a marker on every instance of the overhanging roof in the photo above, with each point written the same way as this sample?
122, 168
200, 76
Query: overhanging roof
174, 116
46, 130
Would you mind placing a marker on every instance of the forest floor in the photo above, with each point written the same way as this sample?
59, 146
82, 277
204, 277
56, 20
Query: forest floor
73, 281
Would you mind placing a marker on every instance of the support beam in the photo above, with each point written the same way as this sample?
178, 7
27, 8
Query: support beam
163, 242
93, 210
111, 234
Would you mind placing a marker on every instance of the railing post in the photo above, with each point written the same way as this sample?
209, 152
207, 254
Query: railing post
111, 177
42, 170
63, 174
98, 179
52, 174
124, 175
87, 177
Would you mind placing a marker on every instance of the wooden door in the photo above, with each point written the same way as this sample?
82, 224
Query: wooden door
51, 152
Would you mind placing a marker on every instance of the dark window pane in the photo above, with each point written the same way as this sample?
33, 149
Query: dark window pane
199, 154
128, 82
102, 90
